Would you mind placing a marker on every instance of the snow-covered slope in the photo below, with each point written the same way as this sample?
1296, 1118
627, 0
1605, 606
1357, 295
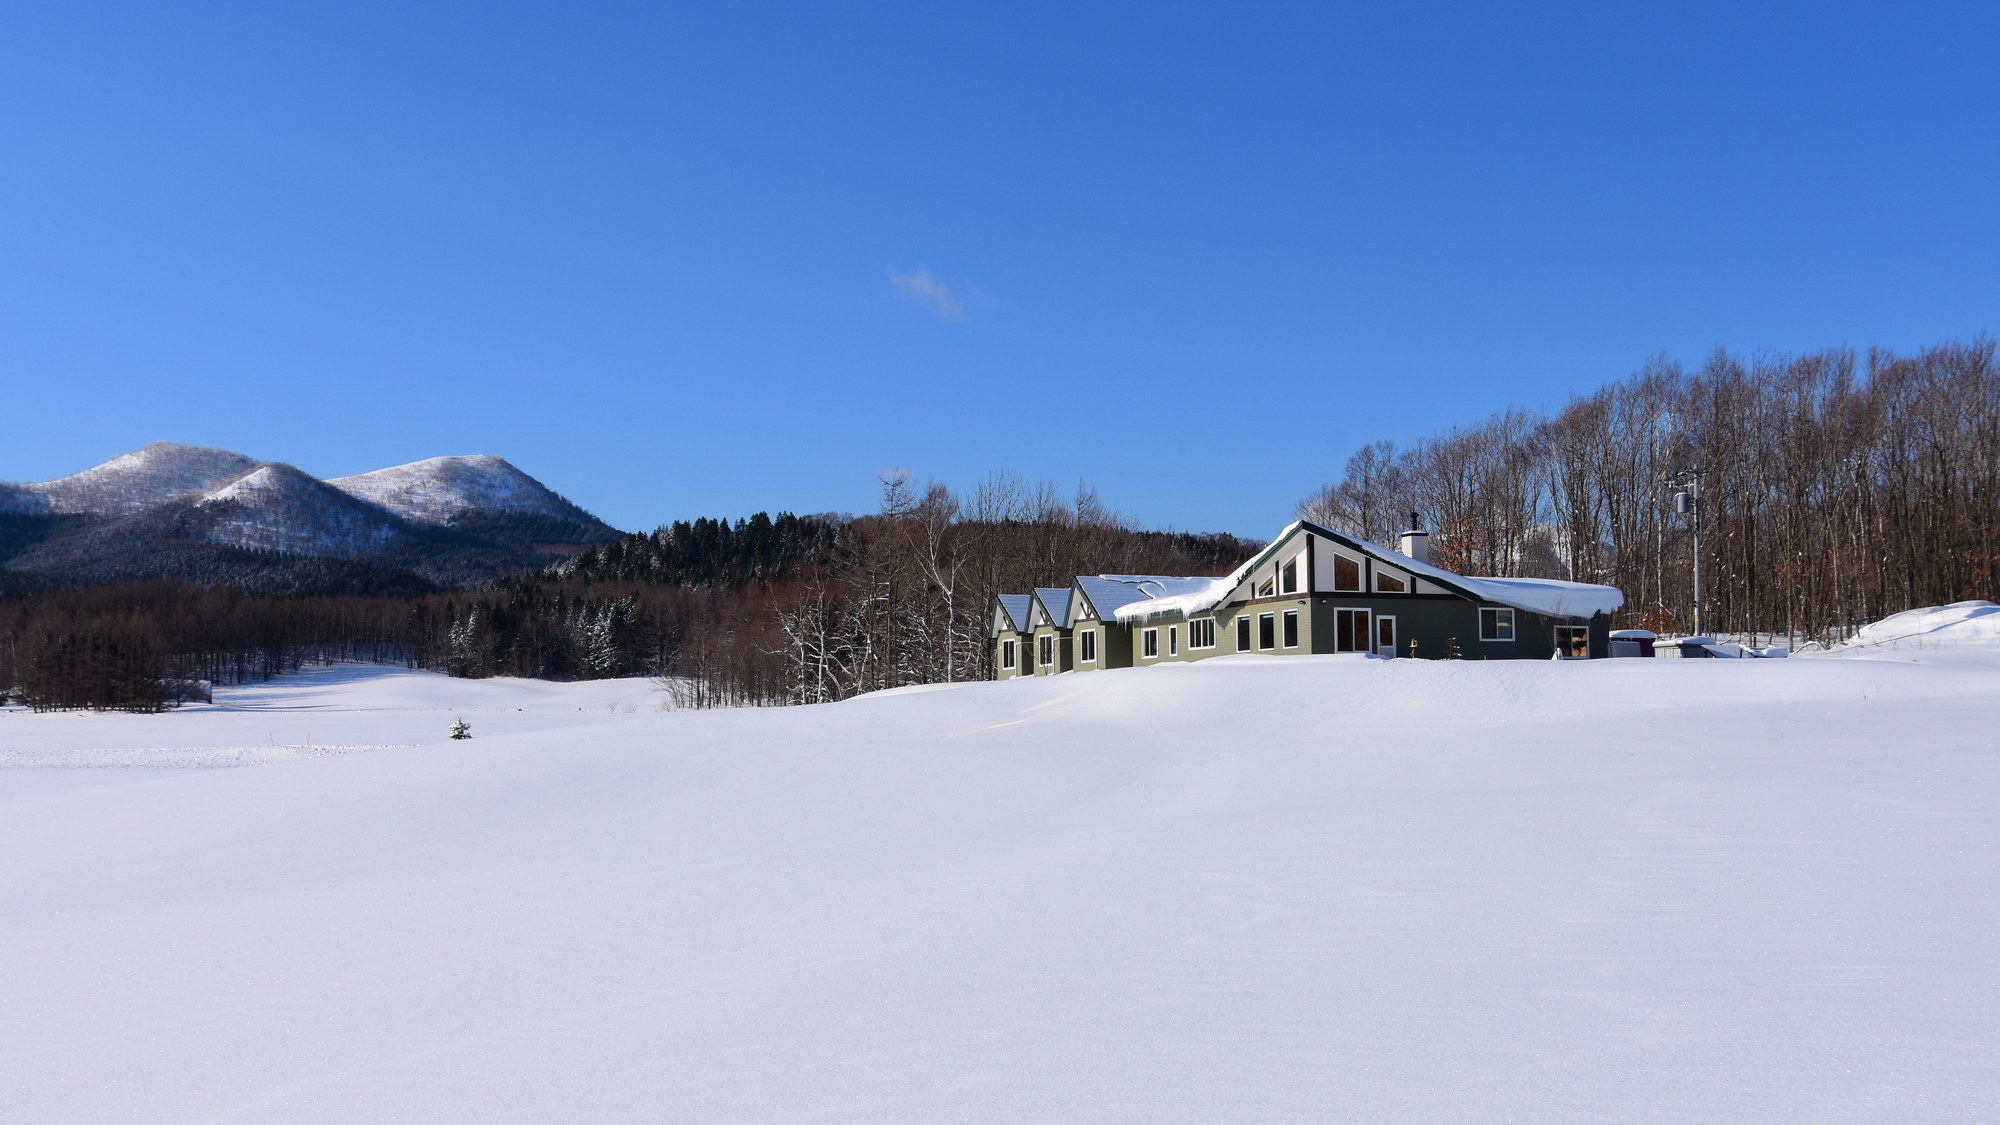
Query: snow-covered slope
156, 474
1297, 889
278, 508
435, 490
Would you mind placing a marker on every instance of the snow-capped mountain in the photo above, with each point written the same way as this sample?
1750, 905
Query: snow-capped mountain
436, 490
156, 474
167, 509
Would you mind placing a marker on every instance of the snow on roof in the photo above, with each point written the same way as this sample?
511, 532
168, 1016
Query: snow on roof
1113, 594
1548, 596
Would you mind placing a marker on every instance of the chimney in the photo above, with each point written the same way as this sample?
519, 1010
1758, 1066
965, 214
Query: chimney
1416, 542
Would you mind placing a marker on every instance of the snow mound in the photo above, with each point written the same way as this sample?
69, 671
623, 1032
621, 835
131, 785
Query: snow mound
1975, 623
435, 490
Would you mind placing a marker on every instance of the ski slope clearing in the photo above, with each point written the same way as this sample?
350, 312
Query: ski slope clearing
1301, 889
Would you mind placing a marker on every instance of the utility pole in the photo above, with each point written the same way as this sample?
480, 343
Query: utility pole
1687, 502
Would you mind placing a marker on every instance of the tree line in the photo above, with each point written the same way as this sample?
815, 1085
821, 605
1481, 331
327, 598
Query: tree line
1834, 488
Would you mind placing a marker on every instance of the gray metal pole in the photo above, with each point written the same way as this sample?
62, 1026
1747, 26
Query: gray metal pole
1698, 630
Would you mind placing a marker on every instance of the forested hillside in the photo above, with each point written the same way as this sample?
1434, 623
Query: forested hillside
1835, 489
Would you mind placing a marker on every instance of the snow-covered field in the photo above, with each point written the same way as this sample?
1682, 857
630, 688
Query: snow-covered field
1302, 889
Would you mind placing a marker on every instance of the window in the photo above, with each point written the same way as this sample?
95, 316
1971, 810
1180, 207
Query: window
1243, 633
1288, 578
1006, 654
1173, 640
1149, 643
1048, 653
1390, 584
1291, 628
1496, 624
1265, 588
1267, 631
1350, 630
1573, 641
1201, 633
1086, 647
1346, 573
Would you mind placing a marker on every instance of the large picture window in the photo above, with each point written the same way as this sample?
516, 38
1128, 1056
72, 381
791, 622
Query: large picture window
1243, 633
1086, 647
1149, 643
1346, 573
1201, 633
1496, 624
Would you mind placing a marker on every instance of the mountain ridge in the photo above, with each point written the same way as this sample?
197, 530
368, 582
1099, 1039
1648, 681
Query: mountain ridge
173, 510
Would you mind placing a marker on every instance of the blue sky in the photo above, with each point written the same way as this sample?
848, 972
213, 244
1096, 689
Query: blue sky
709, 259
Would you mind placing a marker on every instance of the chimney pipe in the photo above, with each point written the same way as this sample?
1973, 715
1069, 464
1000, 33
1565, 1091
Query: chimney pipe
1416, 542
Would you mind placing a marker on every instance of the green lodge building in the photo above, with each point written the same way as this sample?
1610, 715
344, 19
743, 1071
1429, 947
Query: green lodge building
1312, 590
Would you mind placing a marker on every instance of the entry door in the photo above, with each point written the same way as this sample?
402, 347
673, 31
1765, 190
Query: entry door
1350, 630
1385, 636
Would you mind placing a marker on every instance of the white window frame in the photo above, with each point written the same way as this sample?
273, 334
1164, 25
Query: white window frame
1199, 628
1290, 624
1367, 634
1008, 660
1499, 613
1381, 576
1395, 634
1360, 574
1273, 619
1288, 574
1149, 644
1561, 649
1086, 646
1173, 640
1246, 631
1045, 650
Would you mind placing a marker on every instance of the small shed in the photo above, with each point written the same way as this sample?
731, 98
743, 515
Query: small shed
1632, 642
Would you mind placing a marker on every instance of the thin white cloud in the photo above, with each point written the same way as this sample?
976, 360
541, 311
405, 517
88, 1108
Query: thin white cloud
920, 288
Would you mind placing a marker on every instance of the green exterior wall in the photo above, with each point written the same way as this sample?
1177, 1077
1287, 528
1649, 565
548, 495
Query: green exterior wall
1114, 645
1062, 647
1434, 622
1024, 665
